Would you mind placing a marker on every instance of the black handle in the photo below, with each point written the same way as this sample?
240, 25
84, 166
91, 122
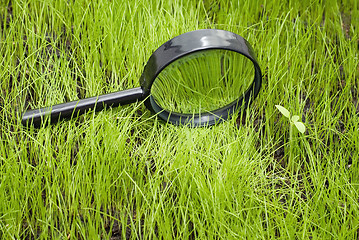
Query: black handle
75, 108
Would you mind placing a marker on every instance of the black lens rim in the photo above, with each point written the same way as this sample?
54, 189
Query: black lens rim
188, 43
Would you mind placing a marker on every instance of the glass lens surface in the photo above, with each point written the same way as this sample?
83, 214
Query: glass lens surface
203, 81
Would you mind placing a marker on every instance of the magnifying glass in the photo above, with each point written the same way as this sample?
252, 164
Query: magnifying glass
198, 78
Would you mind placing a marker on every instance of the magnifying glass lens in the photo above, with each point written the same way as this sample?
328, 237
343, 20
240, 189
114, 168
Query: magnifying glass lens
203, 81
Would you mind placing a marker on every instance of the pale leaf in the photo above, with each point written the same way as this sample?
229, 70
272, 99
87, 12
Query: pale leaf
283, 110
295, 118
300, 126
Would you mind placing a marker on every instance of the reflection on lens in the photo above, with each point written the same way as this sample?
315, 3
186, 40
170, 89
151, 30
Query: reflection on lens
203, 81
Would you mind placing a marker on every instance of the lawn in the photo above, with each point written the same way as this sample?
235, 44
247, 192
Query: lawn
122, 173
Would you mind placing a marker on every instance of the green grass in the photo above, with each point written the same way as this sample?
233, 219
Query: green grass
123, 173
